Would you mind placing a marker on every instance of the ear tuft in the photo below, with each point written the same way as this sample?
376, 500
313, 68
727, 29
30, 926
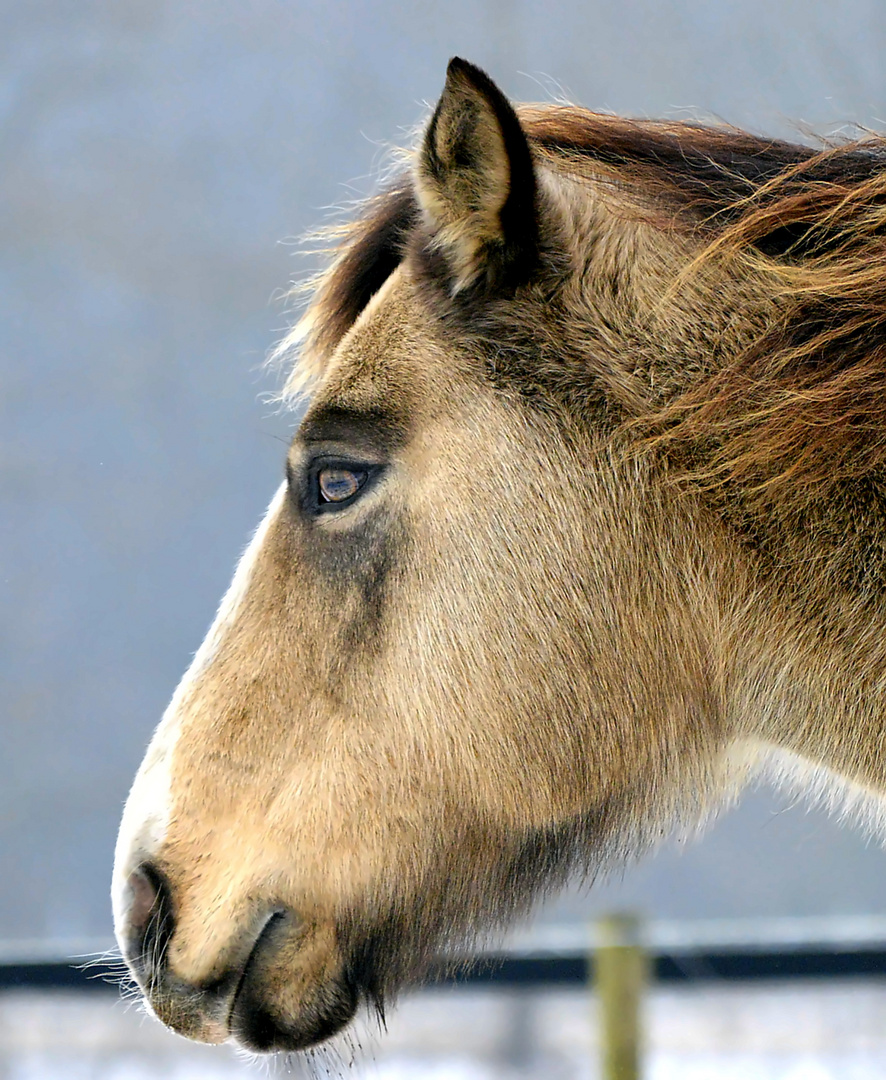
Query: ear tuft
475, 182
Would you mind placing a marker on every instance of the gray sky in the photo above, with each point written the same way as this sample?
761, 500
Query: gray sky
156, 157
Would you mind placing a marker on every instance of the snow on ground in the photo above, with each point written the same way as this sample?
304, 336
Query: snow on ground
790, 1031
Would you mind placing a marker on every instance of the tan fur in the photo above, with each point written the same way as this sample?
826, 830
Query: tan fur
482, 191
563, 621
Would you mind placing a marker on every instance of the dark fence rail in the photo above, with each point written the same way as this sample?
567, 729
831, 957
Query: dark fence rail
540, 969
687, 967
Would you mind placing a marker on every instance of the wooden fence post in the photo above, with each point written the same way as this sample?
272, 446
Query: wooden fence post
621, 971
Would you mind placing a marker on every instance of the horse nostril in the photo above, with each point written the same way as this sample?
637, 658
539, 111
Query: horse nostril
149, 918
143, 895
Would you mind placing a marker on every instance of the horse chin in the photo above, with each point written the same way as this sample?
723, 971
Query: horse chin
265, 1022
294, 991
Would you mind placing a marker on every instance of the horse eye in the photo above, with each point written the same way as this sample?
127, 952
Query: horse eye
338, 485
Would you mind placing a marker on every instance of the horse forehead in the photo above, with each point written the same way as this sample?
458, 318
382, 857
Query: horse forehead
394, 345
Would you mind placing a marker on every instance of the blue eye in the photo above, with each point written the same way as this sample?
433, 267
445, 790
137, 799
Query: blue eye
338, 485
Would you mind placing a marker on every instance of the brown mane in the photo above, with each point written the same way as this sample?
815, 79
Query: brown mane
807, 402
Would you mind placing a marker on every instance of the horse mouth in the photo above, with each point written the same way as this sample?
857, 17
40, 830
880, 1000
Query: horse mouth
292, 990
277, 1010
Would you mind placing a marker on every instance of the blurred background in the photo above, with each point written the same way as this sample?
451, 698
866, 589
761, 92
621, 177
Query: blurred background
158, 161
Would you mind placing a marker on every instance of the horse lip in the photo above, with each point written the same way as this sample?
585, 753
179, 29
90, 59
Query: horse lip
204, 1011
260, 1021
273, 916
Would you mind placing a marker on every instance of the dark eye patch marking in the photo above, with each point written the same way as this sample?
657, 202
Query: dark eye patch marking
338, 454
378, 431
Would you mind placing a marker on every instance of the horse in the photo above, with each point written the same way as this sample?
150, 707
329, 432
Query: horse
582, 529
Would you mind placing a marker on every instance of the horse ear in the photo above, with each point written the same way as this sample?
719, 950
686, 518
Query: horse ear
476, 185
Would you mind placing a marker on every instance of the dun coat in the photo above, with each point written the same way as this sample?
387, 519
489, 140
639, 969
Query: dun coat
583, 527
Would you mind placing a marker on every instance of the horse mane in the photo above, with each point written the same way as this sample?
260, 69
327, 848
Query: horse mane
805, 403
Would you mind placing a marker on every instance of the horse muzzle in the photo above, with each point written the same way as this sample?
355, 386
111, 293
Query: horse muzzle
280, 986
